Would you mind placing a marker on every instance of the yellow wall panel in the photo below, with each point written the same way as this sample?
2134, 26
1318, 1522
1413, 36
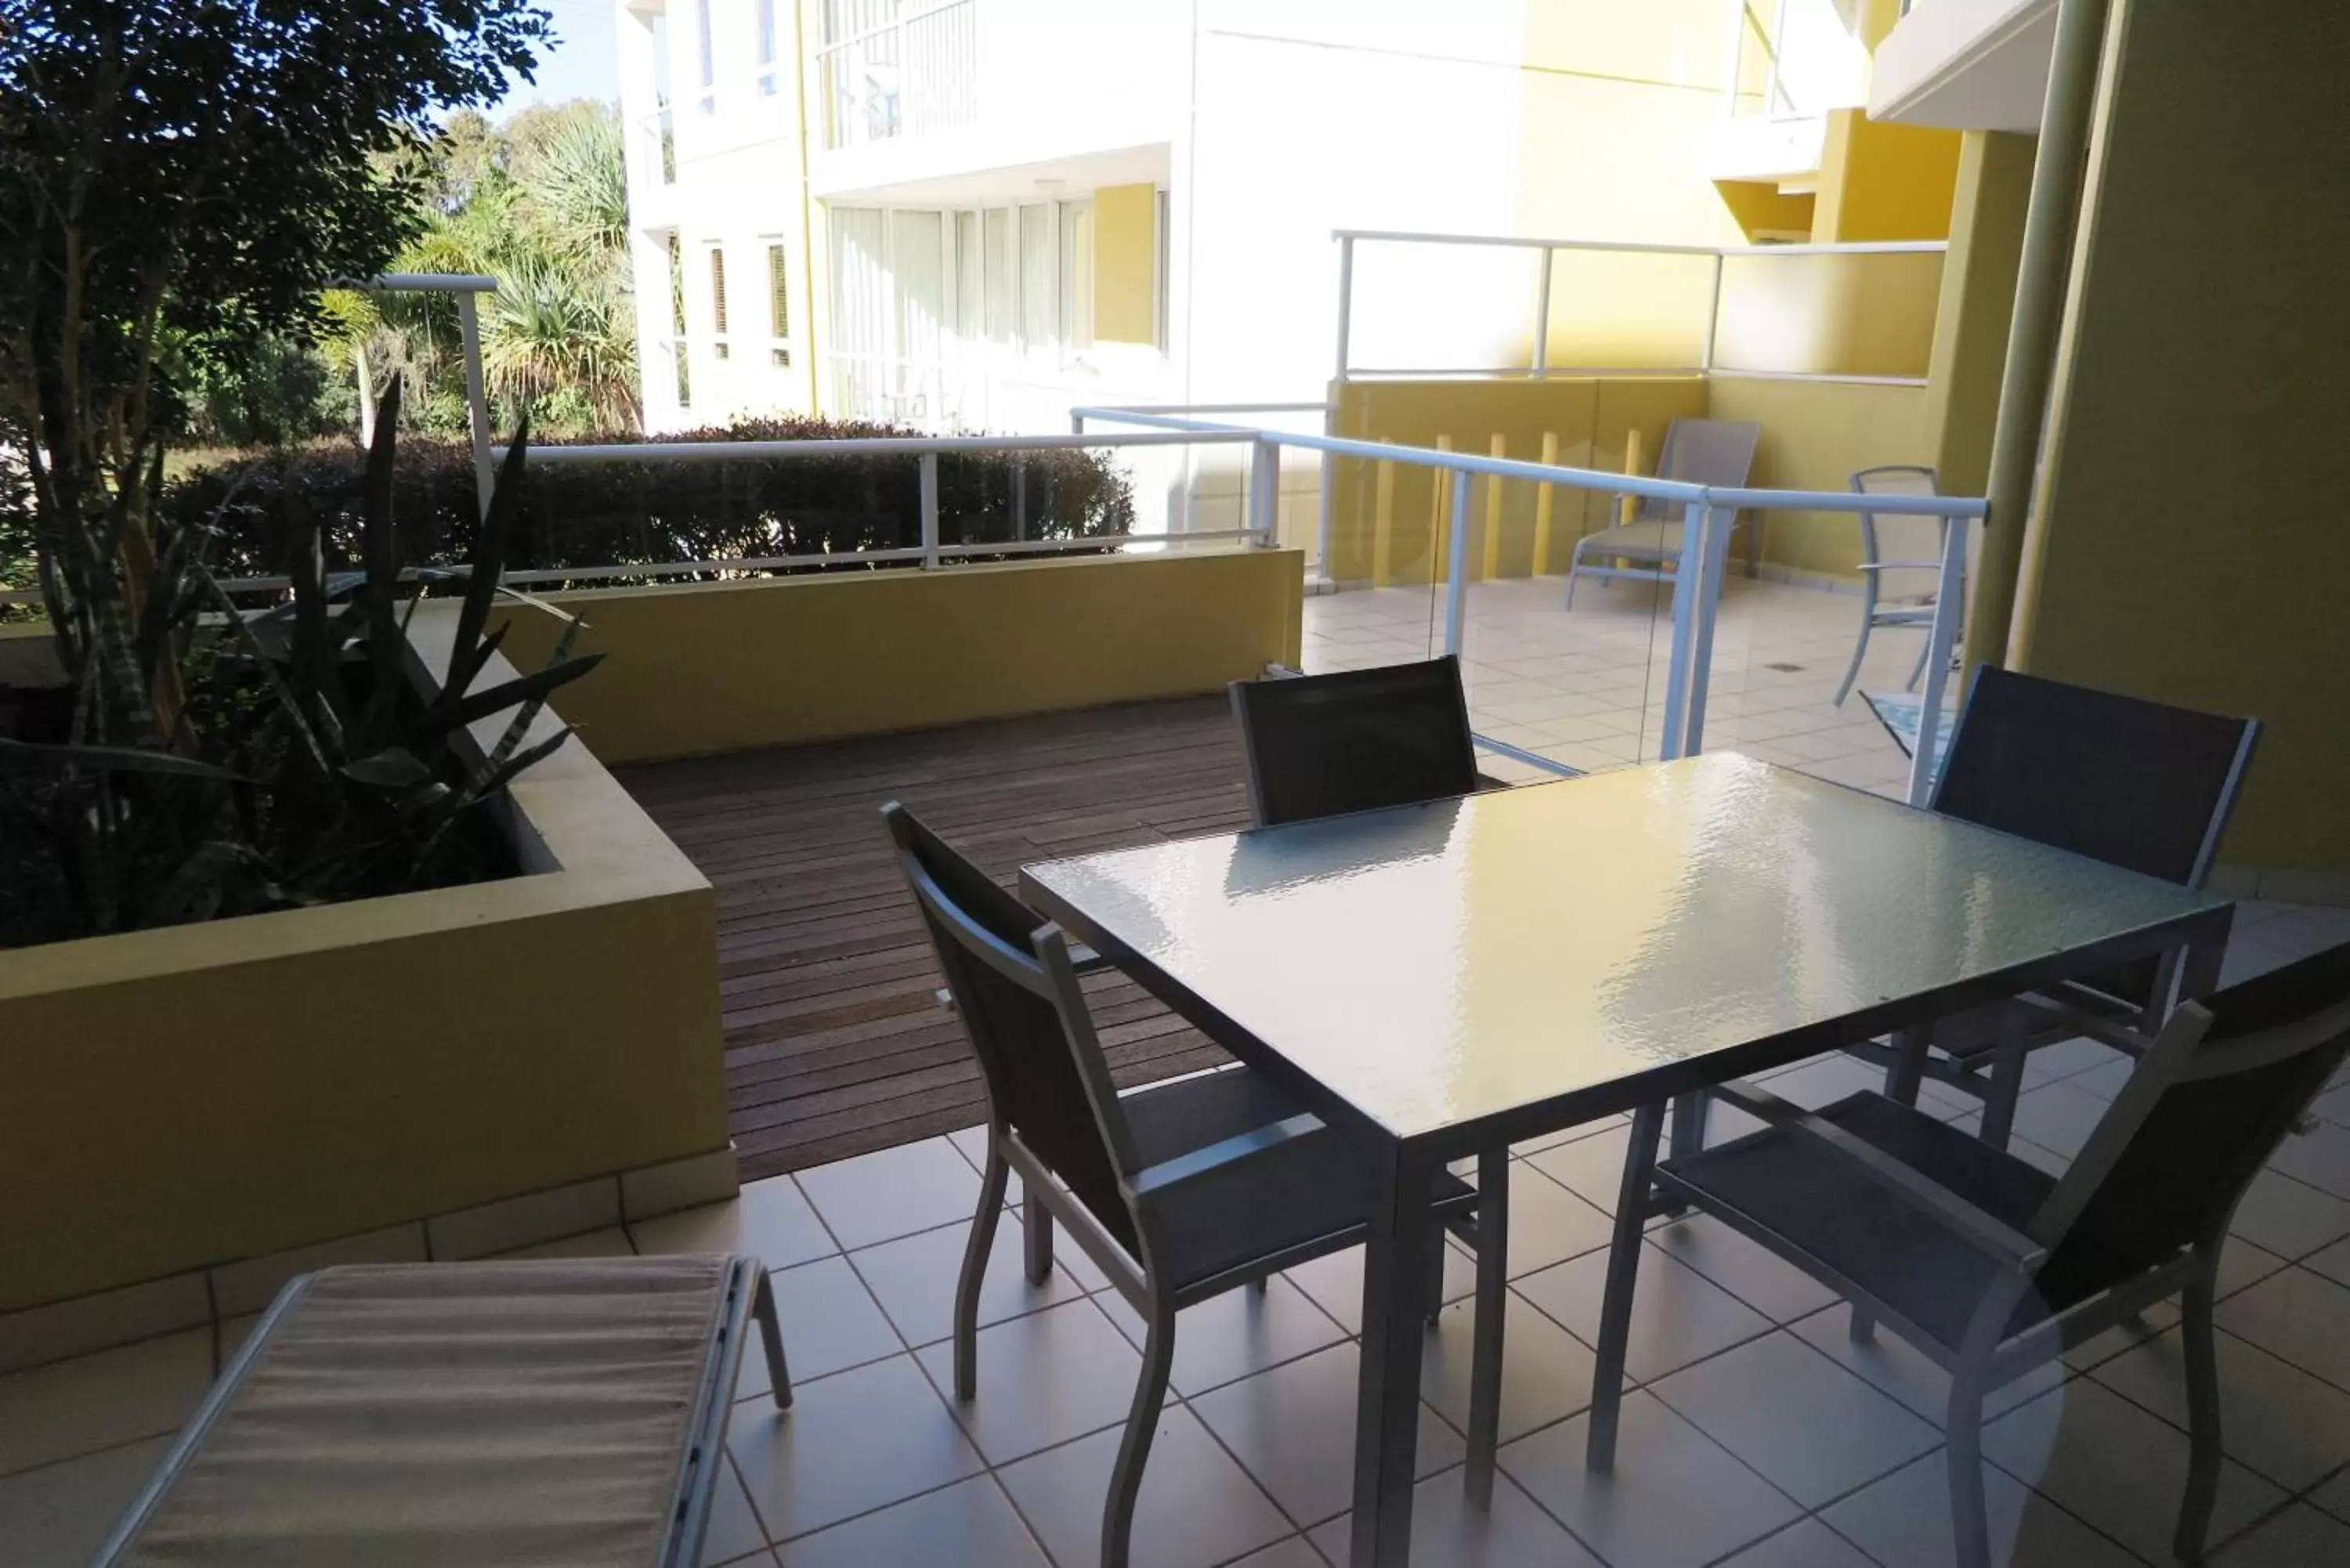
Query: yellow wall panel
1815, 435
1126, 263
1880, 180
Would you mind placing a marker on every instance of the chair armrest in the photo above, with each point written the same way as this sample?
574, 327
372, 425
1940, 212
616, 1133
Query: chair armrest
2054, 1009
1083, 960
1219, 1155
1980, 1229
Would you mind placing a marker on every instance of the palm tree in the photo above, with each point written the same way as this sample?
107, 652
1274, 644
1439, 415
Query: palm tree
554, 329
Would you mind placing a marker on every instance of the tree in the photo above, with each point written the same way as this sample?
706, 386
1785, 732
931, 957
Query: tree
176, 179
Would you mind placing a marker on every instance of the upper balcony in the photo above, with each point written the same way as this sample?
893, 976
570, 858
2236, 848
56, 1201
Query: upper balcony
1968, 65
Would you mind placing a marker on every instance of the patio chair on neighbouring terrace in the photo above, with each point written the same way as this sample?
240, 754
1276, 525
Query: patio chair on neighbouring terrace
1988, 1266
1179, 1191
1914, 611
1696, 451
1356, 740
2135, 783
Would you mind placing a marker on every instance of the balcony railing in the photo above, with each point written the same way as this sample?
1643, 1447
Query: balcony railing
915, 73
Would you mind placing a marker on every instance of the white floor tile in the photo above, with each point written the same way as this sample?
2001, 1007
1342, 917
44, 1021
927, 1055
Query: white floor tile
1807, 1426
967, 1525
1591, 1166
2334, 1497
2320, 1156
1890, 1364
1678, 1315
2058, 1116
1293, 1429
104, 1399
1446, 1533
2289, 1218
829, 1321
770, 1219
58, 1515
2116, 1465
2283, 1423
2334, 1262
1904, 1521
1549, 1224
1198, 1507
1546, 1371
849, 1444
914, 1279
2299, 1316
1806, 1544
1234, 1334
733, 1532
891, 1192
1294, 1552
1043, 1379
1751, 1273
2299, 1537
1335, 1282
1674, 1499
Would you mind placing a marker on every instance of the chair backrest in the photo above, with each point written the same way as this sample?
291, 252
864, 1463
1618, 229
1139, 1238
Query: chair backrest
1703, 451
1046, 1079
2135, 783
1317, 745
1899, 538
2206, 1109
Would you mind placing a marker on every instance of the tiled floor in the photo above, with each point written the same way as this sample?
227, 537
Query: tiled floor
1584, 687
1759, 1435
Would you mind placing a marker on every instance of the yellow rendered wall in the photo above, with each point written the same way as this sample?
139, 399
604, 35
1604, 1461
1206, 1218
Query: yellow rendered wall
1815, 435
1126, 261
204, 1093
2192, 545
1978, 303
1868, 315
1590, 418
703, 667
1880, 180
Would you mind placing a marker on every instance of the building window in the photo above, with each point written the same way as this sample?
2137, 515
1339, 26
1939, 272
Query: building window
708, 102
779, 306
718, 297
1035, 274
766, 9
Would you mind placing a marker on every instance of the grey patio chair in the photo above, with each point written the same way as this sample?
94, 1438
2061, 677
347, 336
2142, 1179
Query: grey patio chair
2135, 783
549, 1413
1988, 1266
1698, 451
1909, 610
1179, 1191
1356, 740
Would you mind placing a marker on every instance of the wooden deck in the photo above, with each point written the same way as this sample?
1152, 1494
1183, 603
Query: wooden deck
836, 1044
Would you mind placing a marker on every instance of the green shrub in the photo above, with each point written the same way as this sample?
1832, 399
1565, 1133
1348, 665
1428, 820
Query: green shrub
607, 513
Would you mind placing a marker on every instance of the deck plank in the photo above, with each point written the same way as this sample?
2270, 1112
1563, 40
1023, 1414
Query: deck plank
835, 1043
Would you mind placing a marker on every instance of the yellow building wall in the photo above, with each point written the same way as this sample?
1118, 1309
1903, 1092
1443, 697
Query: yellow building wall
722, 666
1868, 315
2190, 545
1126, 264
1816, 436
1977, 305
1880, 180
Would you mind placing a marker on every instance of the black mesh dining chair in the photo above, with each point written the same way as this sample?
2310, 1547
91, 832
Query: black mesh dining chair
2138, 784
1988, 1266
1179, 1191
1357, 740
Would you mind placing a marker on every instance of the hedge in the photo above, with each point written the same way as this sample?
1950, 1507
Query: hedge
607, 513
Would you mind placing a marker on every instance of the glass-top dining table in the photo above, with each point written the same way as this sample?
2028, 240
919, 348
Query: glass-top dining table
1442, 980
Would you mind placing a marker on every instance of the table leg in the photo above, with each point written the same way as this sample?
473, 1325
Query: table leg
1399, 1260
2206, 950
1909, 1071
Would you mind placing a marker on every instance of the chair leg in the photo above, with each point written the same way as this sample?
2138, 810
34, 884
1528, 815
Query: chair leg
1037, 1221
771, 1339
2202, 1413
1917, 671
1492, 1299
1574, 565
975, 1253
1859, 650
1623, 1277
1970, 1514
1141, 1427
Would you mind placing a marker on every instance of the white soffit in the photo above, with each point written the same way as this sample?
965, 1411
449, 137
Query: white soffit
1967, 64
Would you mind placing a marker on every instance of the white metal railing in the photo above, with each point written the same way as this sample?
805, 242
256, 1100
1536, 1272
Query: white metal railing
911, 74
1708, 512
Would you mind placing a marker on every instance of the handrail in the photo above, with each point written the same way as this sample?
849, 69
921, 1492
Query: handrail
1641, 247
854, 446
